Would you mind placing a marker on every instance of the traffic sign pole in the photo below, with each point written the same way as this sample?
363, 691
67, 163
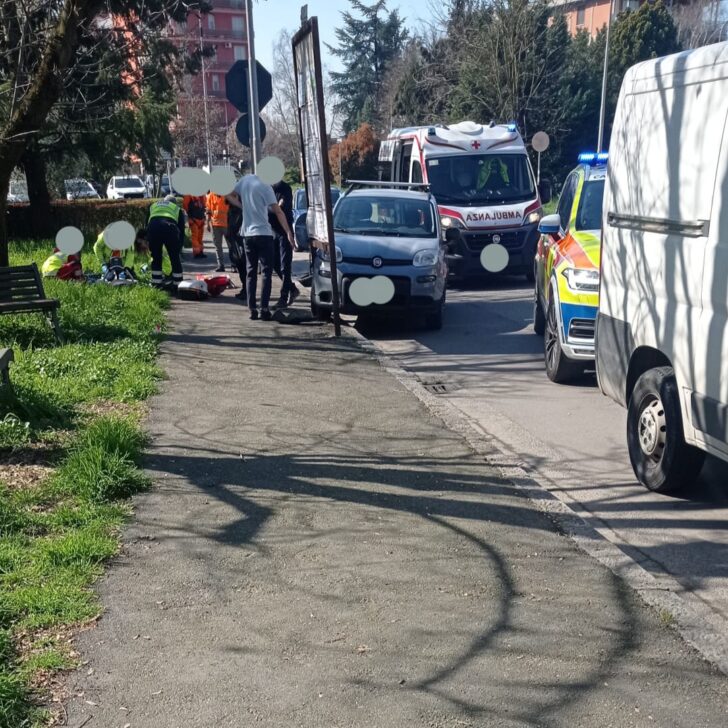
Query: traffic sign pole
254, 110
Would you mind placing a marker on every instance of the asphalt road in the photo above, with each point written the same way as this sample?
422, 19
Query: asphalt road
320, 550
570, 438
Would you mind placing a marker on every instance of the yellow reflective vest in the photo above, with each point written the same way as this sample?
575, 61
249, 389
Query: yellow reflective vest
103, 253
489, 167
52, 265
164, 209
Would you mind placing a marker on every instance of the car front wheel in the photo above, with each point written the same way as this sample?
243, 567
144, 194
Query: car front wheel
539, 320
559, 367
661, 459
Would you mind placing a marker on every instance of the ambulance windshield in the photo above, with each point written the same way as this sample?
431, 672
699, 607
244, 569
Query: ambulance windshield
481, 179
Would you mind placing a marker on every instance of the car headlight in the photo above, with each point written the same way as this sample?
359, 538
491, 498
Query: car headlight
339, 254
451, 222
584, 281
534, 217
424, 258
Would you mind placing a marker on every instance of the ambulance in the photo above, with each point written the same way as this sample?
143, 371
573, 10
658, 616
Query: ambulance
485, 188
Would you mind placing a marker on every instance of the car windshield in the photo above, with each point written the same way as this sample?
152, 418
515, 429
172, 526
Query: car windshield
388, 216
589, 214
129, 182
302, 202
481, 179
77, 185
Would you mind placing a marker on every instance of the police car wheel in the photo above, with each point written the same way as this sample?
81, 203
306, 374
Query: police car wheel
661, 459
559, 368
539, 319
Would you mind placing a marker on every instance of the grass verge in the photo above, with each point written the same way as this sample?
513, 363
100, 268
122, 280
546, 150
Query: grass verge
70, 446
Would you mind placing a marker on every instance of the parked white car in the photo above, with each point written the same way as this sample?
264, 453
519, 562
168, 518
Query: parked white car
126, 188
17, 192
662, 328
80, 189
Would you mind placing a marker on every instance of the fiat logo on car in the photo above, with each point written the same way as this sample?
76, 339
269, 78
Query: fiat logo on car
377, 262
496, 239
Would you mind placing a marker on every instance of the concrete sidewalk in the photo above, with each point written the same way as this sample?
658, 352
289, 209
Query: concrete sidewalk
320, 551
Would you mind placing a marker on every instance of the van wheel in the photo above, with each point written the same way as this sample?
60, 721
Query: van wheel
661, 459
539, 320
559, 367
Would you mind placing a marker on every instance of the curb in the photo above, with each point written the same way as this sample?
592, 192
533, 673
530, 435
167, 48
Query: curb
697, 624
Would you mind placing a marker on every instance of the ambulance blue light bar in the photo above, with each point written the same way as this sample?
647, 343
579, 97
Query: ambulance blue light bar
593, 157
512, 126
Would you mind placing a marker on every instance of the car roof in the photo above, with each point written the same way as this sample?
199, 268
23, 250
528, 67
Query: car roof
594, 172
389, 193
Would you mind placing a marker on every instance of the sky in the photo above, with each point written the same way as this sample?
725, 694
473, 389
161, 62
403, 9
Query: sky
271, 16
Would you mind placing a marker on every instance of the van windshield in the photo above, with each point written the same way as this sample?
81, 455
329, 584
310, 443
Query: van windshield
481, 179
589, 214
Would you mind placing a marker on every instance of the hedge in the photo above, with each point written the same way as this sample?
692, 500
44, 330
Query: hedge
90, 216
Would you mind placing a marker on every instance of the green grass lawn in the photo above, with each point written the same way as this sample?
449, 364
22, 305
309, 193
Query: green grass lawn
70, 444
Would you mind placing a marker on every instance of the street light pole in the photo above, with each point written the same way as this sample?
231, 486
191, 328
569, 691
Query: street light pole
254, 111
204, 96
603, 107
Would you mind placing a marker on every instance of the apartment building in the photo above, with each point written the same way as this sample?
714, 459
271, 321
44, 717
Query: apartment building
592, 15
223, 28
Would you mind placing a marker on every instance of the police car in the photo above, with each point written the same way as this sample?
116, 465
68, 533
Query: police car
566, 296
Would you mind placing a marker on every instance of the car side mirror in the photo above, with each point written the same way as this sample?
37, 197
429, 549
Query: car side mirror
550, 225
545, 192
452, 235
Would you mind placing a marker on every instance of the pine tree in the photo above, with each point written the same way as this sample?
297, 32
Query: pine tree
367, 46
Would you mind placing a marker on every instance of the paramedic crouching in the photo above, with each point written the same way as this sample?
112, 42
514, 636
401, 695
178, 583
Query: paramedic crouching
166, 230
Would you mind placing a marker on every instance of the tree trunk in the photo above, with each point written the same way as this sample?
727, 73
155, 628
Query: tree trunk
45, 88
40, 199
4, 253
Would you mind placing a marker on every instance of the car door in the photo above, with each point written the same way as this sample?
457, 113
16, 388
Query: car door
548, 243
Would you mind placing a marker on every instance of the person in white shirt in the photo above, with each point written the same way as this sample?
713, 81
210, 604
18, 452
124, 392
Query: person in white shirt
258, 199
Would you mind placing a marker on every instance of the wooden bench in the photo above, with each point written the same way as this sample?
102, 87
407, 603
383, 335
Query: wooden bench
6, 356
21, 291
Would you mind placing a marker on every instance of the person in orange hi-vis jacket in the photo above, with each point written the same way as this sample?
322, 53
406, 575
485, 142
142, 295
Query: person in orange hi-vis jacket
194, 206
217, 221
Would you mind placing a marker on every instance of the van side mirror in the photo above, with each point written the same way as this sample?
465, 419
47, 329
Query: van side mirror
550, 225
545, 192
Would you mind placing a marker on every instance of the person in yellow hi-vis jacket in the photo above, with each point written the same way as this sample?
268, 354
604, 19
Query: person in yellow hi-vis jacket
493, 172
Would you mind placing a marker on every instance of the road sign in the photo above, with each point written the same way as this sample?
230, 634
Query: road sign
540, 141
242, 130
236, 85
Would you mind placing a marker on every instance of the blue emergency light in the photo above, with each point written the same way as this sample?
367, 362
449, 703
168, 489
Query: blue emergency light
512, 126
593, 157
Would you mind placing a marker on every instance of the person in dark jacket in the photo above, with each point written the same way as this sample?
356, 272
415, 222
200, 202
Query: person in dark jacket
236, 248
283, 255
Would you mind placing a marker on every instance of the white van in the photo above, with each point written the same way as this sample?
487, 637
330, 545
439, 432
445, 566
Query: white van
484, 185
662, 329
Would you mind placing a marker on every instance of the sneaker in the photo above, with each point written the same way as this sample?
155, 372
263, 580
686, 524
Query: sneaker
220, 269
281, 303
254, 314
266, 315
295, 293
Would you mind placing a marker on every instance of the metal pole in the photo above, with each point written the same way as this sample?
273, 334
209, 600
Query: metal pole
204, 97
603, 108
340, 143
538, 173
253, 87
